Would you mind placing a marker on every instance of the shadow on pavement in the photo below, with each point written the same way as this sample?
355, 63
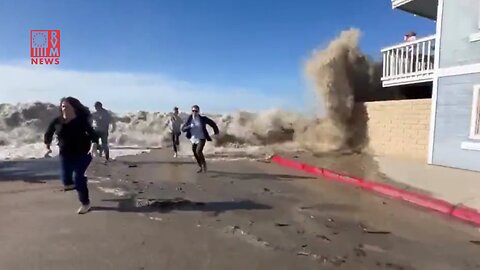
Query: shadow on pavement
256, 176
178, 204
32, 171
175, 163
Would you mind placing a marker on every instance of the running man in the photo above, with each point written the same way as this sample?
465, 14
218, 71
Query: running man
196, 131
174, 124
102, 120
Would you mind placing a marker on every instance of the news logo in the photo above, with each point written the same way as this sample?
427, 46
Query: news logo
45, 47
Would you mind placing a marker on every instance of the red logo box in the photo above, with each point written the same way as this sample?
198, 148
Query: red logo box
45, 47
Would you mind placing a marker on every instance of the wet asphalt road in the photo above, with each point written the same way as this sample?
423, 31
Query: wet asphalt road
154, 212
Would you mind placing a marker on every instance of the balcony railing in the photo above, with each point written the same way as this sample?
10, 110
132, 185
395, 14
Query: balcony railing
409, 62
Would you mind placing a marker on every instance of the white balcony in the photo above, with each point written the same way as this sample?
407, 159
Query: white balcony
409, 62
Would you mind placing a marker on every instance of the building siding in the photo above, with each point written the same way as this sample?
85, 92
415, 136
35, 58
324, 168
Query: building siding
459, 20
452, 122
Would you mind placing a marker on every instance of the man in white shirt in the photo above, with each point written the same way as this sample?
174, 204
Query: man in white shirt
101, 123
174, 124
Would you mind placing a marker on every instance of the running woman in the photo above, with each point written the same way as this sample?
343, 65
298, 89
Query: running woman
75, 137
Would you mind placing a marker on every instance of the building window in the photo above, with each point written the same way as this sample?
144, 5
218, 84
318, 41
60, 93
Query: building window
475, 118
476, 36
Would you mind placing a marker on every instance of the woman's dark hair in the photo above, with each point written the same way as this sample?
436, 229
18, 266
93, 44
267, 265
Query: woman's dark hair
78, 107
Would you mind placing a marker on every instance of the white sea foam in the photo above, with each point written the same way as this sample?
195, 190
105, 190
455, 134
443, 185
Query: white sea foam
22, 127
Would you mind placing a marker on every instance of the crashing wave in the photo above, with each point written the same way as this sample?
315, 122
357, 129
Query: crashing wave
342, 76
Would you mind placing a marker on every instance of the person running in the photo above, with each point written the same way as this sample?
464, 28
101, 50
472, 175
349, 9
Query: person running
75, 137
102, 120
196, 130
174, 124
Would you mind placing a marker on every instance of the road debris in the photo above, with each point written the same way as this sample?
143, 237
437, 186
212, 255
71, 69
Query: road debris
373, 248
360, 252
159, 203
320, 258
365, 229
362, 226
338, 260
245, 236
394, 266
376, 232
303, 253
116, 191
324, 238
156, 218
279, 224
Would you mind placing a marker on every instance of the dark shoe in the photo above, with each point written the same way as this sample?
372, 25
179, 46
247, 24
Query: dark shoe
204, 168
200, 170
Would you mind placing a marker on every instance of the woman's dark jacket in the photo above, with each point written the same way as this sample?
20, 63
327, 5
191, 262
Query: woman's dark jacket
74, 137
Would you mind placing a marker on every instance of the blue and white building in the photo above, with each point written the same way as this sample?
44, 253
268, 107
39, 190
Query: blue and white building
448, 61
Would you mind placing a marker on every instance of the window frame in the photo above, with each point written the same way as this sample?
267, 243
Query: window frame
475, 114
474, 37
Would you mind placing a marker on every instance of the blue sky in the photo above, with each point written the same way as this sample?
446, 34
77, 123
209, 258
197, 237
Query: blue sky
246, 53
